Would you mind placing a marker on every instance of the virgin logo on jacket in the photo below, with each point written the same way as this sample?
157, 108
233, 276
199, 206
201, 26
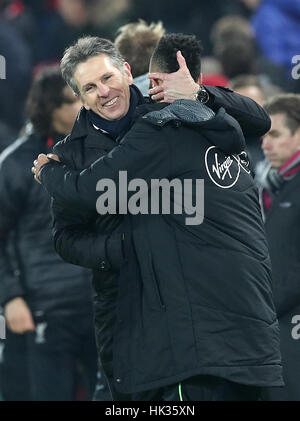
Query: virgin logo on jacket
224, 170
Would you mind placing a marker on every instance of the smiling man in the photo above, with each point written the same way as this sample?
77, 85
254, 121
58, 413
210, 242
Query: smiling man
105, 92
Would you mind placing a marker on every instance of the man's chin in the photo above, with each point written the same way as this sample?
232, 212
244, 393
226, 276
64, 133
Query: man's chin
275, 164
115, 116
109, 115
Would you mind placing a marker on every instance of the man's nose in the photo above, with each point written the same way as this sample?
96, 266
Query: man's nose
103, 90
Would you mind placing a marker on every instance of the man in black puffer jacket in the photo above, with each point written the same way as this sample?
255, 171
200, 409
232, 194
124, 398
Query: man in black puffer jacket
179, 315
47, 302
278, 179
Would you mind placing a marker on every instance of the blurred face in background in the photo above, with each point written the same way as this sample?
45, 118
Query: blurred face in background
74, 12
103, 87
280, 144
63, 117
253, 92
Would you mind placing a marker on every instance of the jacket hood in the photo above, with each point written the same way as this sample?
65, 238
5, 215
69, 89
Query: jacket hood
219, 128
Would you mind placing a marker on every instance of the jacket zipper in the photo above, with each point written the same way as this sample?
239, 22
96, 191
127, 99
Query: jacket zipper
155, 283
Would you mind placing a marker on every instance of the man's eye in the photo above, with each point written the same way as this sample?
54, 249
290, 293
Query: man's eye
107, 77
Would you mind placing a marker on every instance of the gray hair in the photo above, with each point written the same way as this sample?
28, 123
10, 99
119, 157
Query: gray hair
83, 50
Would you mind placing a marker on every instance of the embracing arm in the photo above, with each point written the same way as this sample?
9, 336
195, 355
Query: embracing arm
85, 243
252, 118
254, 121
143, 153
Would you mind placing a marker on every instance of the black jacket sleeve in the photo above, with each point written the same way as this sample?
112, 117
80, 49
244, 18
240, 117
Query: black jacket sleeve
81, 242
147, 159
13, 189
252, 118
287, 297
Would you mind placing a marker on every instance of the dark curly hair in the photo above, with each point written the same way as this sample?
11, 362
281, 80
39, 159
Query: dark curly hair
164, 55
45, 95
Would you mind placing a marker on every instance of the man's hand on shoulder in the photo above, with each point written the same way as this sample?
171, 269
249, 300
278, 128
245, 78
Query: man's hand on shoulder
177, 85
40, 162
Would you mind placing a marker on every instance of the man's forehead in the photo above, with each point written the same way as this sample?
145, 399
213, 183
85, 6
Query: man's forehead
279, 124
278, 119
94, 68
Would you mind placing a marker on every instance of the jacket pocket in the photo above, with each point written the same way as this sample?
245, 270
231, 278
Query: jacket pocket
155, 284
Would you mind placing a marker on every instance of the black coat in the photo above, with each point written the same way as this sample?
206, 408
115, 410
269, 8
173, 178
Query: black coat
186, 306
82, 237
31, 268
282, 228
77, 235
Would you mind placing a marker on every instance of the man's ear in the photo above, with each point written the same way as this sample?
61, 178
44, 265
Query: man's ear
127, 69
200, 79
84, 103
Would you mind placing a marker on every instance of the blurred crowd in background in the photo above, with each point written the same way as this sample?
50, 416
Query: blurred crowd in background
251, 46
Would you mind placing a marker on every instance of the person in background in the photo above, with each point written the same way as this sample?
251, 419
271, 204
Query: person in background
186, 16
250, 86
279, 180
276, 24
15, 74
47, 303
136, 42
235, 46
7, 135
71, 20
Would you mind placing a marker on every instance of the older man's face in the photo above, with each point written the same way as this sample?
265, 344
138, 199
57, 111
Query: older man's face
280, 144
103, 87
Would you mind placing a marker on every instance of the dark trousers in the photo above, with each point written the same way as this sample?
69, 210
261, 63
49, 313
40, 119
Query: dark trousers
202, 388
14, 379
58, 357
